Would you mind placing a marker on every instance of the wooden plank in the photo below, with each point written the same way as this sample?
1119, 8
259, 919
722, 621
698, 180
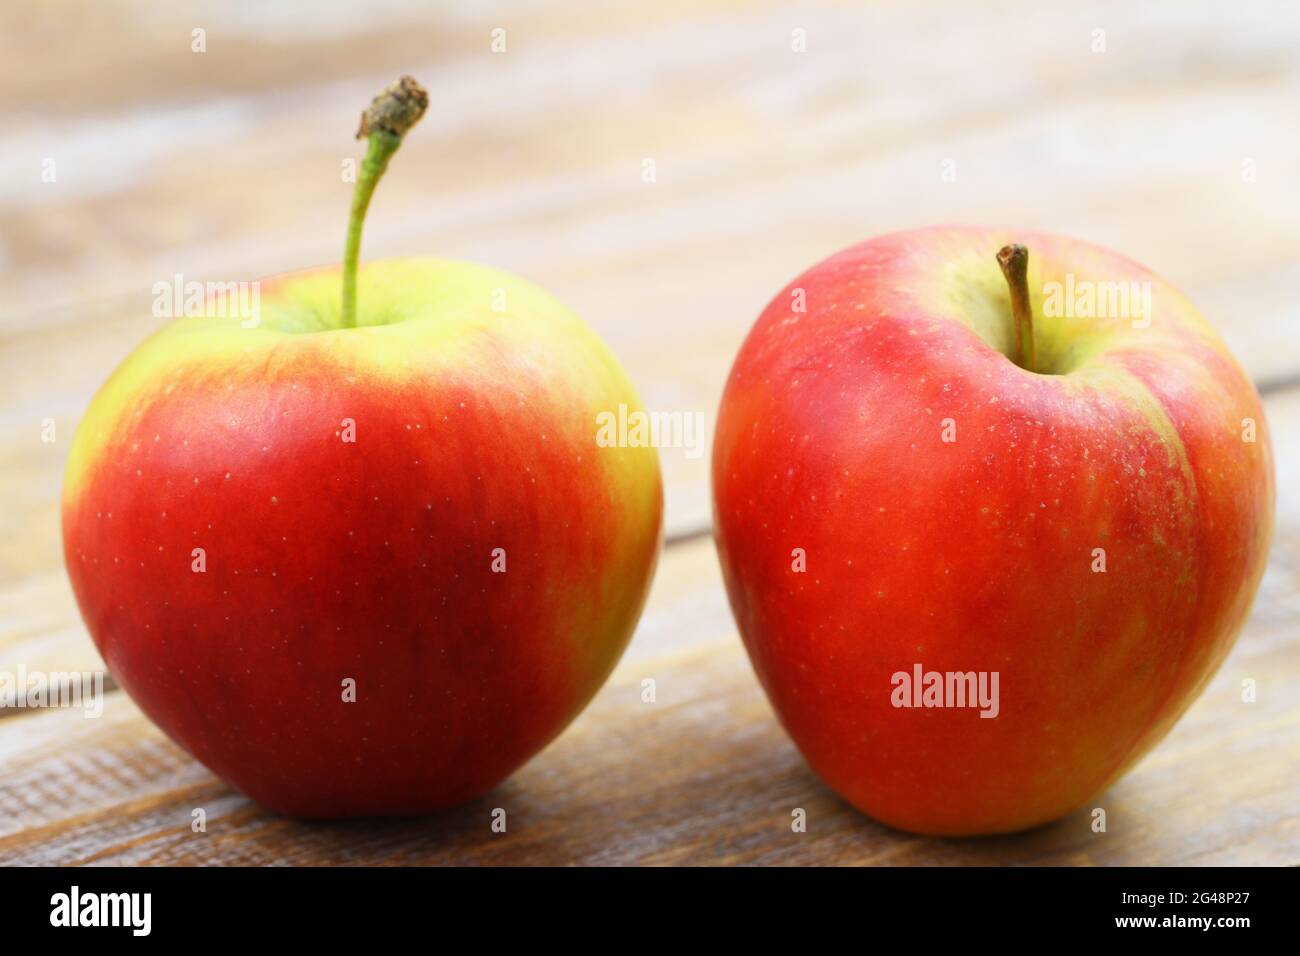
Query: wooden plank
237, 174
41, 629
226, 165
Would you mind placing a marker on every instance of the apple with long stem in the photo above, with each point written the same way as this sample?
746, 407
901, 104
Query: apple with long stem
363, 555
987, 532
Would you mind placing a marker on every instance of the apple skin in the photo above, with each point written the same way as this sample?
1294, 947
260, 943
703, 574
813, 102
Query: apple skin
977, 554
328, 560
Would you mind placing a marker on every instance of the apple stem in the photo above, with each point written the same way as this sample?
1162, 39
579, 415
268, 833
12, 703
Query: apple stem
384, 122
1014, 260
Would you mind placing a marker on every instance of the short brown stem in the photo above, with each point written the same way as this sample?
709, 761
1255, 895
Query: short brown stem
1014, 260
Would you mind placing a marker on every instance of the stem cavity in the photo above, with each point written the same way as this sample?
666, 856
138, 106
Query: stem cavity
1014, 260
388, 118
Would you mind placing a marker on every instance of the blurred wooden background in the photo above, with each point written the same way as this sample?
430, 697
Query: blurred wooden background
1177, 144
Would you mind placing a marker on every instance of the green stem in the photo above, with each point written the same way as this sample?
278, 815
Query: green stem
382, 146
385, 122
1014, 260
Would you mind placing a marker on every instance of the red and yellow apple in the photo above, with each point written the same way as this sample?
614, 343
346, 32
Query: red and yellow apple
370, 566
902, 488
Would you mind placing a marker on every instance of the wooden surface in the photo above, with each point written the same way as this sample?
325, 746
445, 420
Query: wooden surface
225, 165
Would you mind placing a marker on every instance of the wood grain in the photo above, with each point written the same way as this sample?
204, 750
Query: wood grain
1177, 145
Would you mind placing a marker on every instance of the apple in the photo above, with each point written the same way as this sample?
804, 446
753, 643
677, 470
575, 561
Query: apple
363, 555
986, 532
